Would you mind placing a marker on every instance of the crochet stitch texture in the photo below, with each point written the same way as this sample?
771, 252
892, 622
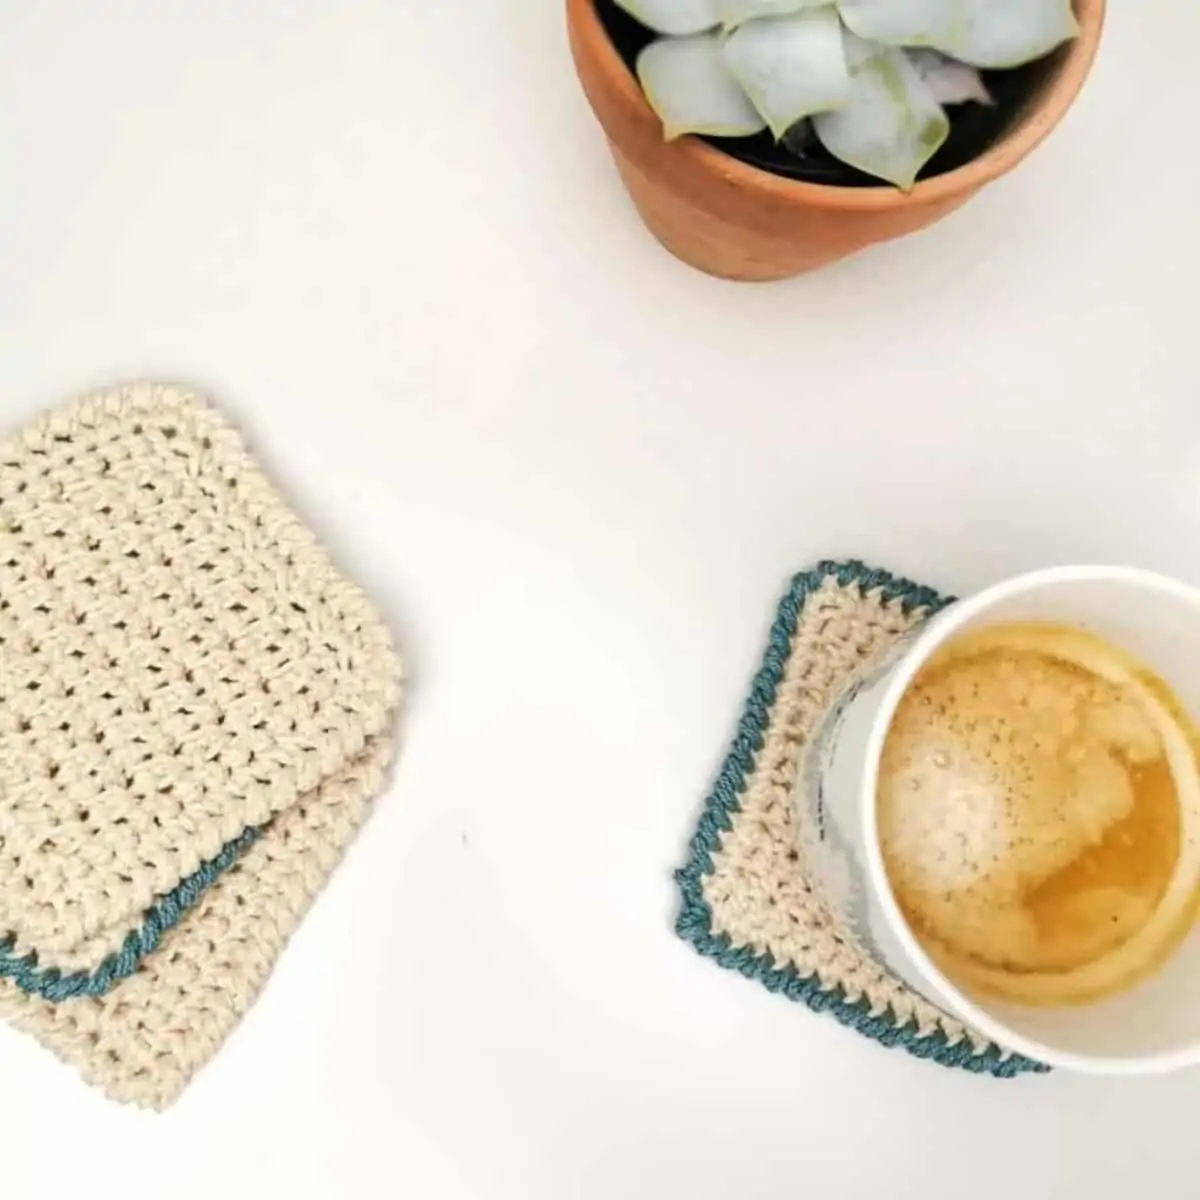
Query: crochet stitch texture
752, 898
194, 715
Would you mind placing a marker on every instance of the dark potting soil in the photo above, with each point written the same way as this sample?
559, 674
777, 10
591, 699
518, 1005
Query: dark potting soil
974, 128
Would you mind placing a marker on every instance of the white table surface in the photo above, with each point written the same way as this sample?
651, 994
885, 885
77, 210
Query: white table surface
388, 238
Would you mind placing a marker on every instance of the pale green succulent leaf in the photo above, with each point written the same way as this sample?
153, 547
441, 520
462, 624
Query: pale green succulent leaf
991, 34
950, 81
791, 67
892, 125
736, 12
689, 85
675, 18
900, 22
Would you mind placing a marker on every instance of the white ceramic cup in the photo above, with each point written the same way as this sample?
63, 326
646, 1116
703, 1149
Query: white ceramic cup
1150, 1028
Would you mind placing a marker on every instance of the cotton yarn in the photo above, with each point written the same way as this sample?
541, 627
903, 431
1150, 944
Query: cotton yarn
753, 896
195, 709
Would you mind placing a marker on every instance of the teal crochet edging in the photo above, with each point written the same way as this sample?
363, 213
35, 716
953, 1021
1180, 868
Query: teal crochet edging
695, 921
51, 984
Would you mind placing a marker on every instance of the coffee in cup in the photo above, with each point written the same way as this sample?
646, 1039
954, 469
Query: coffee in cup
1033, 791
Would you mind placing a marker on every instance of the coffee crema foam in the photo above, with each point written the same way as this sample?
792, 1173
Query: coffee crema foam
1038, 807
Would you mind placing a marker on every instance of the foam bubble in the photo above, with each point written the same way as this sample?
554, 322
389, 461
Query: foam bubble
1005, 769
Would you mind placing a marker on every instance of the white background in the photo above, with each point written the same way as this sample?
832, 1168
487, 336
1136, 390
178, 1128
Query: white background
387, 237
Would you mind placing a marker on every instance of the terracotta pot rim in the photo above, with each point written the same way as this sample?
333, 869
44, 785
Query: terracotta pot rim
1051, 106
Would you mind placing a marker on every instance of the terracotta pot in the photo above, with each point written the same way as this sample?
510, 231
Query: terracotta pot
739, 222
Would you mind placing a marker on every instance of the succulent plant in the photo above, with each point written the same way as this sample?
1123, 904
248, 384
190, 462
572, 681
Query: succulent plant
869, 79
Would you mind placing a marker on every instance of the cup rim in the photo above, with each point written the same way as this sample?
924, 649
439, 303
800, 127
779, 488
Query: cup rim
943, 626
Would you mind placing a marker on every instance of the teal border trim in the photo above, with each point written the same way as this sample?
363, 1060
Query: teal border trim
51, 984
695, 921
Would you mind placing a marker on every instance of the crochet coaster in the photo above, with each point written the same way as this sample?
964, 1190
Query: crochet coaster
194, 716
754, 887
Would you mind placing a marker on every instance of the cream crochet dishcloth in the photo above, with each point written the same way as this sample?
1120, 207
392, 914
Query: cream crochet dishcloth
194, 716
762, 892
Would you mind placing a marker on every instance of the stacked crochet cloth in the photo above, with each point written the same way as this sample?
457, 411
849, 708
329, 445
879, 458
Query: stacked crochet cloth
194, 717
